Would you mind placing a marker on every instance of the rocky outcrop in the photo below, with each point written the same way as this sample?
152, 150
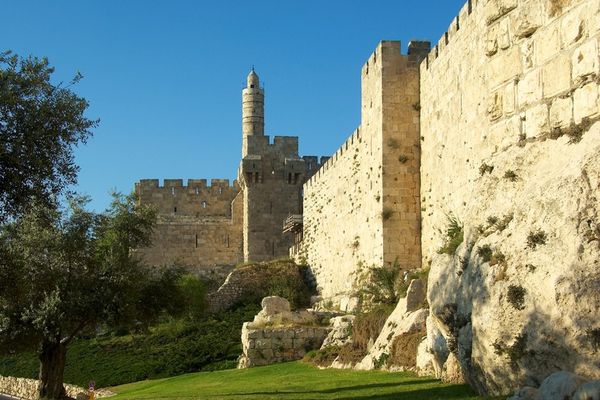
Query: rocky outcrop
341, 331
277, 334
406, 319
519, 299
560, 386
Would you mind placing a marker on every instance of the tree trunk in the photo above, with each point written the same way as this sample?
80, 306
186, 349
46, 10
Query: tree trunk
52, 368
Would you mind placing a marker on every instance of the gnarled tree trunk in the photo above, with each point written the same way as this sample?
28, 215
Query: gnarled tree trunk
52, 368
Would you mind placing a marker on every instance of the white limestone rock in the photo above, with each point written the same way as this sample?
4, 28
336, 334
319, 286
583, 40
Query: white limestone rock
560, 385
452, 372
341, 333
526, 393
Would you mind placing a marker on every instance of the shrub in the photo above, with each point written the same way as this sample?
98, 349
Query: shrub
485, 168
492, 220
454, 236
503, 223
193, 290
510, 175
368, 325
322, 357
516, 296
536, 238
594, 336
404, 349
485, 252
383, 284
402, 158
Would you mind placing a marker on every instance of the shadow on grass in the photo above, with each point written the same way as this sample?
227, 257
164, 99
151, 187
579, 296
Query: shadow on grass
445, 392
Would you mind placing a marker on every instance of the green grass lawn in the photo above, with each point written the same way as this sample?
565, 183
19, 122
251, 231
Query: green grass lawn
294, 380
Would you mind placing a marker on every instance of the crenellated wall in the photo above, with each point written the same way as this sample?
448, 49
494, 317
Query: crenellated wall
199, 226
511, 147
361, 209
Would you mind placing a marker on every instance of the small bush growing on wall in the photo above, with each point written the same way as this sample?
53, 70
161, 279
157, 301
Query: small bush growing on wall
594, 336
536, 238
402, 158
514, 352
485, 252
485, 168
557, 6
516, 296
510, 175
454, 236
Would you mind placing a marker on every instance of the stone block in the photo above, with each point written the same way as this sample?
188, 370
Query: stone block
561, 112
528, 19
504, 34
585, 61
508, 99
495, 9
530, 88
504, 67
585, 102
495, 105
556, 76
572, 28
547, 44
261, 344
536, 120
527, 54
274, 304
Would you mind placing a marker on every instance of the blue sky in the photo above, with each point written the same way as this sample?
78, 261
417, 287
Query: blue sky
165, 77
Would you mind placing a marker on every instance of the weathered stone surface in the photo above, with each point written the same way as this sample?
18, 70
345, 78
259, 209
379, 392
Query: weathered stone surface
415, 295
588, 391
341, 331
278, 335
27, 389
560, 385
452, 372
273, 305
401, 321
526, 393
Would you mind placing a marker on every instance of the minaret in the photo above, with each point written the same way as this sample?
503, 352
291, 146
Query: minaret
253, 107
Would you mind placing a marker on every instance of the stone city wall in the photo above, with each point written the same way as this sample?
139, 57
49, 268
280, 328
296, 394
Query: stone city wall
207, 241
361, 207
511, 148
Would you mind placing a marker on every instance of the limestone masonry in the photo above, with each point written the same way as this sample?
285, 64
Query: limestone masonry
494, 132
210, 228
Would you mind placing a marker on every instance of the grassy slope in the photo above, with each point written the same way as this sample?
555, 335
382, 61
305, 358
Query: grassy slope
169, 349
295, 381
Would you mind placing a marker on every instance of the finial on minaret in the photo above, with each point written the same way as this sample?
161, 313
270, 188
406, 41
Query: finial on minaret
253, 106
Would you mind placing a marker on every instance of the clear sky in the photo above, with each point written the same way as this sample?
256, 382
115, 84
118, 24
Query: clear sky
165, 77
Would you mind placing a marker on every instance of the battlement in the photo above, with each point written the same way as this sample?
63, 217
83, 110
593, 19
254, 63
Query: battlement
351, 144
191, 183
286, 146
461, 22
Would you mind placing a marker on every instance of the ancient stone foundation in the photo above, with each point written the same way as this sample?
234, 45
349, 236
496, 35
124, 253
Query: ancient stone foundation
278, 335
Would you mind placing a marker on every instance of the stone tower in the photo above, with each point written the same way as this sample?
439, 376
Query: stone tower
253, 110
271, 176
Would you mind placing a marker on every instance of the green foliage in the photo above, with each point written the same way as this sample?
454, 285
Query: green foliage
510, 175
594, 337
485, 252
383, 284
66, 271
454, 236
422, 274
536, 238
368, 325
516, 296
322, 357
193, 291
381, 361
173, 347
297, 381
40, 124
485, 168
498, 258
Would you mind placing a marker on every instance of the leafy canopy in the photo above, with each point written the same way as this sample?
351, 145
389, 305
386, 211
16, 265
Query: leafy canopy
40, 124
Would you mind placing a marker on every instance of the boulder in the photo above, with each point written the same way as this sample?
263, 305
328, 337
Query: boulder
560, 385
274, 305
588, 391
341, 331
415, 295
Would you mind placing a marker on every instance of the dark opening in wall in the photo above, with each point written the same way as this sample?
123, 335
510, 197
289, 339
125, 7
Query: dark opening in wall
196, 240
470, 6
175, 210
273, 248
